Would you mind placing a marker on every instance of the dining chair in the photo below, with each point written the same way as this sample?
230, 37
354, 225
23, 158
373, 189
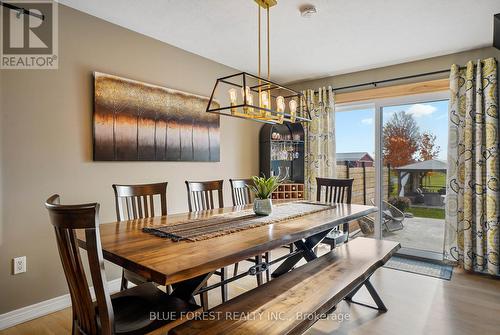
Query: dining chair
336, 191
240, 193
138, 202
200, 195
126, 312
200, 198
241, 196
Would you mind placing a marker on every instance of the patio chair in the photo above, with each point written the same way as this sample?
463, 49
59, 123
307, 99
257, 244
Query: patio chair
392, 217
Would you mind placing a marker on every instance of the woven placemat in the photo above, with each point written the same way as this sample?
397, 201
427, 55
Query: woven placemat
227, 223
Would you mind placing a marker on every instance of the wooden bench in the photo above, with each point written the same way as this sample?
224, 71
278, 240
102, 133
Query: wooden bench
309, 291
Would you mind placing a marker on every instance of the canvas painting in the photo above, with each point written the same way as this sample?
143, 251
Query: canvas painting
135, 121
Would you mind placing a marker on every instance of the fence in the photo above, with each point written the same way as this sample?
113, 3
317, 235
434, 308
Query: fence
363, 188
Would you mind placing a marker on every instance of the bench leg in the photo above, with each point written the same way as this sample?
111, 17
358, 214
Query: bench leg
373, 293
375, 296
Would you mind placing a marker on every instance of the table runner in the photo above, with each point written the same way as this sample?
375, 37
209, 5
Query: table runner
227, 223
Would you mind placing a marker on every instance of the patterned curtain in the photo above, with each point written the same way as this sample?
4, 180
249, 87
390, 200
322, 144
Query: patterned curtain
472, 186
320, 139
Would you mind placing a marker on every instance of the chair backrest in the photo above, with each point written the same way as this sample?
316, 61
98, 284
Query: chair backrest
139, 200
200, 194
336, 190
393, 210
66, 219
240, 192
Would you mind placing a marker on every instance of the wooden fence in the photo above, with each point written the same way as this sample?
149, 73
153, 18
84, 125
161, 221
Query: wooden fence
363, 189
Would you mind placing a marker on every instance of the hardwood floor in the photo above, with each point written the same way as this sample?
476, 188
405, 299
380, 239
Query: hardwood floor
468, 304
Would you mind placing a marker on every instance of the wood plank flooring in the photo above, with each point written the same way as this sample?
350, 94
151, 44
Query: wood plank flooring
468, 304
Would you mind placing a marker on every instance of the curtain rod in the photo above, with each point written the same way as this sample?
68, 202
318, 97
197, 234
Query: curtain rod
21, 10
375, 83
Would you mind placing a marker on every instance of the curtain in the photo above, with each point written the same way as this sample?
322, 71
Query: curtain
319, 139
472, 186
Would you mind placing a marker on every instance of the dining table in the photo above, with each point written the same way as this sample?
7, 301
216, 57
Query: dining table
187, 265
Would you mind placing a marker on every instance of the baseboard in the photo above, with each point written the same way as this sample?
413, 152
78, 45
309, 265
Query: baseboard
37, 310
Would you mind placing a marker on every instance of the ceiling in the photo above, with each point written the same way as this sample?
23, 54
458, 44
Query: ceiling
344, 36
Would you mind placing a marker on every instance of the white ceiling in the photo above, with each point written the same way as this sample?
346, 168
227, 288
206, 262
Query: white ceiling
344, 36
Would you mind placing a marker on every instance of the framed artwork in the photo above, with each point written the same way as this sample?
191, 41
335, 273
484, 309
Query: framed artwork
135, 121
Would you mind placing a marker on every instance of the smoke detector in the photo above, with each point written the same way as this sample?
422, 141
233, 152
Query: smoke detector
307, 11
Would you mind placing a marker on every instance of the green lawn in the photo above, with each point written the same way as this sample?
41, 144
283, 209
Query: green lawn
422, 212
438, 179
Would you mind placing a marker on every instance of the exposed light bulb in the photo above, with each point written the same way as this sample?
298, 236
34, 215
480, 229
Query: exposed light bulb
246, 92
232, 96
280, 104
232, 99
264, 99
249, 99
293, 109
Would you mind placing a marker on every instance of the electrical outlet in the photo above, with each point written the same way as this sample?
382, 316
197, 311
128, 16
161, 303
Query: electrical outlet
19, 265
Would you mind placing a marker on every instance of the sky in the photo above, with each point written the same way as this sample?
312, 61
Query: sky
355, 130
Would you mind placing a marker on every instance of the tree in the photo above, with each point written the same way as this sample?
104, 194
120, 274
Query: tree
428, 149
401, 139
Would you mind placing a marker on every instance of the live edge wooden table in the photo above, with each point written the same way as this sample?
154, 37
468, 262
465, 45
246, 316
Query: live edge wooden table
187, 265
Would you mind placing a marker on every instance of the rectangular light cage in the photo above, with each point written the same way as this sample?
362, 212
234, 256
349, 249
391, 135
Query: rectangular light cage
254, 98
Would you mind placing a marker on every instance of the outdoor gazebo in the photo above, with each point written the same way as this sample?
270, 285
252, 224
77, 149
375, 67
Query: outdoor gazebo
410, 181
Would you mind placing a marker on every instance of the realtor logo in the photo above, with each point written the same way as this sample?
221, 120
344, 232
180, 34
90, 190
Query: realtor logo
29, 35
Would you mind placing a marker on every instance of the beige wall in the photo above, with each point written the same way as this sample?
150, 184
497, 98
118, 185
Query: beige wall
400, 70
47, 144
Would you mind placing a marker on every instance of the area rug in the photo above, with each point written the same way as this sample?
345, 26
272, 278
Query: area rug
227, 223
441, 271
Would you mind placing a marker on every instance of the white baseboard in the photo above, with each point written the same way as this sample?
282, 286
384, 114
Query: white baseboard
37, 310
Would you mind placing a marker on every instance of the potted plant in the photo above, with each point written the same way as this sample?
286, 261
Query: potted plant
263, 188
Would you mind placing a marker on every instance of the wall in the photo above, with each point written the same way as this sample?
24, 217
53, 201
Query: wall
399, 70
1, 160
47, 144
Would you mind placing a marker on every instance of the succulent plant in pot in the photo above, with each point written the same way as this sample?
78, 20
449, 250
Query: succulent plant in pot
263, 188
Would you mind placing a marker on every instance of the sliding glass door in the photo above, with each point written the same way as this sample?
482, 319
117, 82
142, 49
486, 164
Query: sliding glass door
413, 153
406, 140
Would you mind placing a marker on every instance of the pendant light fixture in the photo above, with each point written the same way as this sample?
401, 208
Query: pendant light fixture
254, 97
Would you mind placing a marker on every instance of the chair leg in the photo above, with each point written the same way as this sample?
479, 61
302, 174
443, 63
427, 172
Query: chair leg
204, 299
235, 269
223, 288
74, 328
267, 257
124, 284
291, 247
346, 231
258, 260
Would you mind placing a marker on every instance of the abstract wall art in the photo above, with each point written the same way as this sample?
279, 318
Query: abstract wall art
135, 121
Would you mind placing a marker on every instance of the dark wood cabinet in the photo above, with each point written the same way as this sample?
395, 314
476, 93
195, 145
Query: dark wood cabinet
282, 154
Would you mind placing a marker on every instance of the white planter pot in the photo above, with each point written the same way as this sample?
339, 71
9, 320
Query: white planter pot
263, 206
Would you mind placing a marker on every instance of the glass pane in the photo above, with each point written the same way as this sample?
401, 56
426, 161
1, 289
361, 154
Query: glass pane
414, 155
355, 149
